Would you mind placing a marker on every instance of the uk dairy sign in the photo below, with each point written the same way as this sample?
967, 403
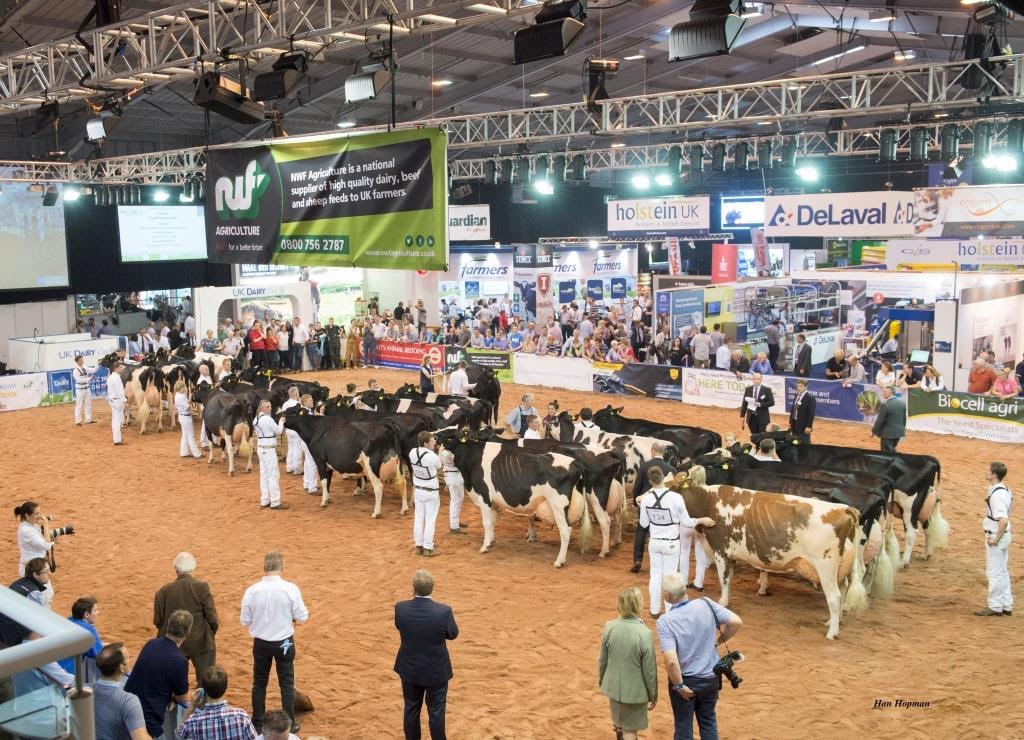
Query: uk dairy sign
860, 215
658, 215
248, 292
469, 223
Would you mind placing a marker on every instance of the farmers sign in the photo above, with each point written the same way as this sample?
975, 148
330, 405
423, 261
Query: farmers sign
967, 415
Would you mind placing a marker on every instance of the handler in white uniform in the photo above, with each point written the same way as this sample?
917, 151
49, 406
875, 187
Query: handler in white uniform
663, 512
458, 383
997, 540
203, 379
310, 475
293, 458
188, 433
426, 496
117, 400
456, 486
83, 397
267, 432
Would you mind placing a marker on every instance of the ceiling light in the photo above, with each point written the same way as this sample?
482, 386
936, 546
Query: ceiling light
902, 55
764, 123
541, 94
941, 115
161, 196
346, 124
71, 193
881, 16
971, 2
641, 181
442, 19
593, 243
807, 173
618, 145
648, 246
544, 187
634, 57
484, 8
185, 198
663, 179
1000, 161
441, 83
840, 54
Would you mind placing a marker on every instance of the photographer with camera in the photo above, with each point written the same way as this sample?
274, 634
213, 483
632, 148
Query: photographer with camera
686, 633
35, 538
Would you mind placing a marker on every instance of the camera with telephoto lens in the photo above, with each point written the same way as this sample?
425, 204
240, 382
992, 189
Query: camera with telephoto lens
724, 667
61, 531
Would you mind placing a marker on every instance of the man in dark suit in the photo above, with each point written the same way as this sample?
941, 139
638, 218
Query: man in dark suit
891, 422
757, 399
422, 661
802, 357
640, 487
801, 418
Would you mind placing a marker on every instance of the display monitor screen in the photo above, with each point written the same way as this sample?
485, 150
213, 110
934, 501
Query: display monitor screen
919, 356
742, 211
33, 248
161, 233
713, 308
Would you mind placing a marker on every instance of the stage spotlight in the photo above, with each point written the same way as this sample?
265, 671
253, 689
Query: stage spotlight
368, 84
808, 172
544, 187
1000, 162
71, 193
641, 181
887, 144
663, 180
718, 157
161, 196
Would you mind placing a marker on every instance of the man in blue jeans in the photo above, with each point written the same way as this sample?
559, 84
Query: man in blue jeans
686, 633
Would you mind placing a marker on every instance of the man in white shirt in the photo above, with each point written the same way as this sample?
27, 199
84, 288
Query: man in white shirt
637, 314
267, 431
586, 327
533, 428
270, 609
701, 347
996, 526
276, 725
293, 458
723, 355
190, 324
82, 376
890, 348
456, 486
300, 335
426, 492
516, 421
458, 383
117, 400
586, 419
232, 345
663, 512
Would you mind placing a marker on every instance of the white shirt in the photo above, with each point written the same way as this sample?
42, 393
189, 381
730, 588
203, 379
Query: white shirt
891, 346
223, 374
723, 355
999, 500
282, 341
932, 384
300, 334
267, 430
425, 467
231, 345
115, 388
204, 380
638, 314
379, 331
883, 379
664, 522
458, 384
31, 543
182, 406
532, 434
270, 607
190, 324
83, 375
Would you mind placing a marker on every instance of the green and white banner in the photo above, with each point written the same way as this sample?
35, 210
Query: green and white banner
967, 415
363, 201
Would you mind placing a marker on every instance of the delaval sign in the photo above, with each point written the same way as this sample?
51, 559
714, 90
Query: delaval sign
469, 223
658, 215
858, 215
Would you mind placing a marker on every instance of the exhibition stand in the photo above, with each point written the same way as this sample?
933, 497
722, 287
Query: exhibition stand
57, 352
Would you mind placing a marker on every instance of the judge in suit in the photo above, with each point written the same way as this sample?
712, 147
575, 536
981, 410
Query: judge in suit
801, 418
757, 399
891, 422
422, 661
802, 357
627, 667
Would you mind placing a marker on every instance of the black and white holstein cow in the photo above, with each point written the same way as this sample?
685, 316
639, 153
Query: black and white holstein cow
478, 411
227, 419
634, 449
779, 534
440, 417
689, 441
507, 477
337, 445
265, 378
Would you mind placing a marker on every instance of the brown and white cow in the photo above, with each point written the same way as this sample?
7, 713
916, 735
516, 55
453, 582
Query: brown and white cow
781, 534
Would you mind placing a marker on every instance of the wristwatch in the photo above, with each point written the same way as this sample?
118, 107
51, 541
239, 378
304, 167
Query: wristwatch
680, 687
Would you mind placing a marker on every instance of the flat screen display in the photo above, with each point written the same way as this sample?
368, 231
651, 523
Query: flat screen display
161, 233
33, 247
713, 308
742, 211
919, 356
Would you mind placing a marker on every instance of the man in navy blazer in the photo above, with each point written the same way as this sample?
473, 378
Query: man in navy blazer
422, 661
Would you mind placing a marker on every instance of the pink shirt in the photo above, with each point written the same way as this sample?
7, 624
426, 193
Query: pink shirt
1006, 386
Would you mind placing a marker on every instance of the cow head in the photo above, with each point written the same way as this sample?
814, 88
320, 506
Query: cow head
185, 352
408, 390
784, 444
248, 374
202, 394
563, 429
369, 399
337, 402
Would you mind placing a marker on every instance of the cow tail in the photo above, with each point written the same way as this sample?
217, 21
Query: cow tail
586, 527
883, 576
856, 594
938, 528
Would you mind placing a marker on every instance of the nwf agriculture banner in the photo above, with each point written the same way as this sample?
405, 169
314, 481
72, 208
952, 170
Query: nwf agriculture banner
367, 201
967, 415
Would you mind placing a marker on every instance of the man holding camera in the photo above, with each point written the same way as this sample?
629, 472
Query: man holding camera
686, 633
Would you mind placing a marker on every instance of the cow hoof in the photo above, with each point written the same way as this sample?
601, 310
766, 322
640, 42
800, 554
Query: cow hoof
375, 516
404, 512
484, 550
231, 473
559, 565
766, 593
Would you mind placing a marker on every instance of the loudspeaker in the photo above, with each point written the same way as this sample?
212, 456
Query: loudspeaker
50, 196
545, 40
711, 30
288, 71
225, 97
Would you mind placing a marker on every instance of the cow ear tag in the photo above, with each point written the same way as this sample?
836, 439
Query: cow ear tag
796, 441
725, 467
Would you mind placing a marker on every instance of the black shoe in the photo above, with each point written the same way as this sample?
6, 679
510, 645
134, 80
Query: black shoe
457, 531
295, 727
635, 568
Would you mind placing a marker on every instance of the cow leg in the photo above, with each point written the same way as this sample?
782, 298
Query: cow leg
762, 584
564, 531
378, 487
360, 486
909, 536
531, 531
725, 570
229, 447
485, 518
830, 587
401, 480
604, 521
325, 483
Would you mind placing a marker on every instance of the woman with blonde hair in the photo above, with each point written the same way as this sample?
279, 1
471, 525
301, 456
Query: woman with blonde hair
932, 380
183, 406
627, 667
1005, 385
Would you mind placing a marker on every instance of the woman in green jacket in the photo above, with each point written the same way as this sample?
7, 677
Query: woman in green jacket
627, 668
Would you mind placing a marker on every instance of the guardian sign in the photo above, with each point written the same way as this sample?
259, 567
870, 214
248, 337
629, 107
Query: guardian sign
864, 215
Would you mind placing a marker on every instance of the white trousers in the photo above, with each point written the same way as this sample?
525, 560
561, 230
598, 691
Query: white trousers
310, 475
293, 458
270, 476
664, 560
456, 493
188, 438
426, 504
83, 400
997, 569
690, 540
116, 418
